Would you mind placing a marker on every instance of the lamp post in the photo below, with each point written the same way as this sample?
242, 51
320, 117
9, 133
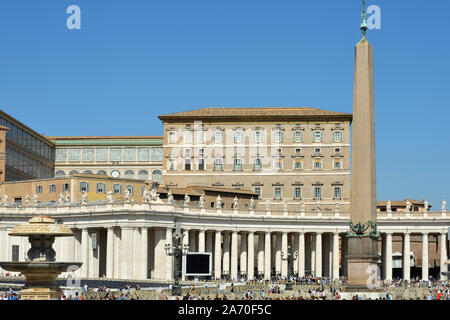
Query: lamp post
177, 250
289, 257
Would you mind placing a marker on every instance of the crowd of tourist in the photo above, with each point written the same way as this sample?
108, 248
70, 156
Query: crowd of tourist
305, 288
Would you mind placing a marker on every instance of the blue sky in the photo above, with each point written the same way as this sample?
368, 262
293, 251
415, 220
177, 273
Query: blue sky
133, 60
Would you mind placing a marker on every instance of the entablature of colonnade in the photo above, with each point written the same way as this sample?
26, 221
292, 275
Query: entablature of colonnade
164, 215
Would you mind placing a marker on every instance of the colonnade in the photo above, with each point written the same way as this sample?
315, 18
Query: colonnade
139, 252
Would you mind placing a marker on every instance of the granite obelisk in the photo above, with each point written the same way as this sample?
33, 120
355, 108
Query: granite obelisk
363, 234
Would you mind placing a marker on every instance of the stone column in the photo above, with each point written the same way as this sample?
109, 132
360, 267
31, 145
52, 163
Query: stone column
284, 249
251, 256
137, 255
226, 252
185, 241
336, 255
444, 266
301, 254
313, 253
294, 246
84, 253
218, 255
318, 254
144, 253
169, 259
406, 256
126, 259
160, 255
267, 256
201, 241
260, 253
110, 253
117, 245
277, 253
424, 256
234, 254
243, 255
388, 256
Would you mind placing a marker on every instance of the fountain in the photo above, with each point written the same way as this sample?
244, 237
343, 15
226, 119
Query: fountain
40, 269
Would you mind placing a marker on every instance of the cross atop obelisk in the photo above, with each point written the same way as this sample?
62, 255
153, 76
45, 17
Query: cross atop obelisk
363, 234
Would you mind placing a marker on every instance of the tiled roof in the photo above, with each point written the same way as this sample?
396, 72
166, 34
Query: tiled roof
255, 113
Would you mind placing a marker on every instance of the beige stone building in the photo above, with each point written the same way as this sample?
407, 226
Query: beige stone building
283, 154
127, 157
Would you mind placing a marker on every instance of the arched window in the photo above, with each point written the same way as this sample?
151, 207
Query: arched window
129, 174
102, 172
87, 172
157, 176
143, 175
73, 172
60, 173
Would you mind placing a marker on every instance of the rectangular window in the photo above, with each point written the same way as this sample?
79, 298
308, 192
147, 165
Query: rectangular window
317, 193
52, 188
317, 136
84, 186
201, 153
218, 164
238, 137
258, 137
201, 137
278, 151
187, 153
38, 189
258, 191
116, 154
298, 136
15, 253
297, 165
278, 165
74, 155
337, 165
187, 164
317, 165
337, 192
257, 164
172, 137
61, 155
101, 188
297, 193
277, 193
130, 188
317, 150
117, 188
101, 154
88, 155
278, 136
187, 137
157, 154
171, 165
337, 136
143, 154
237, 164
218, 137
66, 187
201, 164
337, 150
18, 201
129, 154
